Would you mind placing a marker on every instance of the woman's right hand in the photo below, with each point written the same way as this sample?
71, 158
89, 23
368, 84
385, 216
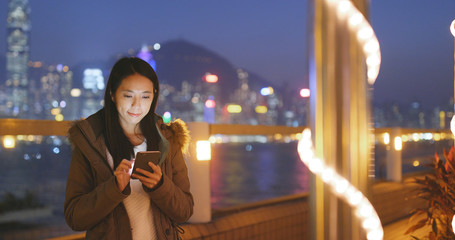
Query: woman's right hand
122, 174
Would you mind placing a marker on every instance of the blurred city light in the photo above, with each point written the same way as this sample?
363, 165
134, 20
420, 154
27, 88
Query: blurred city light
210, 78
156, 46
234, 108
442, 119
398, 143
261, 109
203, 151
305, 92
167, 117
210, 103
9, 141
267, 91
452, 125
386, 138
75, 92
55, 111
59, 117
436, 136
93, 79
56, 150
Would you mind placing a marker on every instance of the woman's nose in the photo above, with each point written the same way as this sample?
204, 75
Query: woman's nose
136, 102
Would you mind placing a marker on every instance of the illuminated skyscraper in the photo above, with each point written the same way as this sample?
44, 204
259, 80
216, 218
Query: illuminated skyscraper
93, 82
17, 56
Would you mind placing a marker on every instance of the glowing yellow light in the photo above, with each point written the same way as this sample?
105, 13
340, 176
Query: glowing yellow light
416, 163
355, 19
59, 117
210, 78
437, 136
234, 108
404, 138
66, 68
453, 219
55, 111
347, 12
9, 141
442, 118
386, 138
30, 138
415, 137
212, 139
278, 136
75, 92
203, 151
344, 7
261, 109
373, 60
365, 33
398, 143
371, 46
452, 125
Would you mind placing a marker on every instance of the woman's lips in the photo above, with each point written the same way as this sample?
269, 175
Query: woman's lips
134, 114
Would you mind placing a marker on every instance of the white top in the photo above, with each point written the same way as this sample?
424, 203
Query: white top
137, 205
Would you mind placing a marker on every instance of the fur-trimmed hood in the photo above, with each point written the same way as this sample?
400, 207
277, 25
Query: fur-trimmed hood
177, 133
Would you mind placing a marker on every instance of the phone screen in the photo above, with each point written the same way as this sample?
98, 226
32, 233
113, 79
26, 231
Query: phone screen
143, 158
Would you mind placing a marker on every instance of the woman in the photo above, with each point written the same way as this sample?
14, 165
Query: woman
102, 197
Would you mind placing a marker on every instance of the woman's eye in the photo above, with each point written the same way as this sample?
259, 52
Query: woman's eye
146, 97
127, 96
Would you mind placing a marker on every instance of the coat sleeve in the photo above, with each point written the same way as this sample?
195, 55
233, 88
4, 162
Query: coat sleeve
173, 197
85, 203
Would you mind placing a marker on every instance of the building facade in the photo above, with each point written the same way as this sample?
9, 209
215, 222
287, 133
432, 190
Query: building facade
17, 57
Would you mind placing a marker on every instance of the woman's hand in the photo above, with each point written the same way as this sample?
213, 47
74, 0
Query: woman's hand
122, 174
150, 179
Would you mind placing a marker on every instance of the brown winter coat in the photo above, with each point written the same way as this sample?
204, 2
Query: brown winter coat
93, 202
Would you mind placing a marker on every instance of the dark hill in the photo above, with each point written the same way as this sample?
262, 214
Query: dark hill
180, 60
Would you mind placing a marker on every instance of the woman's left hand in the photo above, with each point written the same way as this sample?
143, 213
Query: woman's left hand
150, 179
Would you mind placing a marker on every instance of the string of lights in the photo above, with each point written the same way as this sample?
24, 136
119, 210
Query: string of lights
341, 187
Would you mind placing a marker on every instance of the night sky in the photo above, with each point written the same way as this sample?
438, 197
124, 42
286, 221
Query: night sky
262, 36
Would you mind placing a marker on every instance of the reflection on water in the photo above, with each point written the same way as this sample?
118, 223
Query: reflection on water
248, 172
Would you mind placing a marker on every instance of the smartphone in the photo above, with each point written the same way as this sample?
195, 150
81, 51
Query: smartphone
143, 158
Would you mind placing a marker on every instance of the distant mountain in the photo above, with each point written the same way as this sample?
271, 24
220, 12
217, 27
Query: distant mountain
180, 60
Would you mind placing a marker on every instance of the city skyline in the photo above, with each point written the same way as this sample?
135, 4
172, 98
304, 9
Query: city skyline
264, 37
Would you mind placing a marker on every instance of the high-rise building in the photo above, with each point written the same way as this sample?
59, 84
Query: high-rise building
17, 57
93, 83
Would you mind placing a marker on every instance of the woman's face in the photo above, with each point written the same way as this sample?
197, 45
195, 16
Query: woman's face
133, 100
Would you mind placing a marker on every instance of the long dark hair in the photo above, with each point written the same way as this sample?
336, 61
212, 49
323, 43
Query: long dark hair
116, 141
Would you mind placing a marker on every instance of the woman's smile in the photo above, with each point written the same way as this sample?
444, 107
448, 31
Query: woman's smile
133, 100
134, 114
